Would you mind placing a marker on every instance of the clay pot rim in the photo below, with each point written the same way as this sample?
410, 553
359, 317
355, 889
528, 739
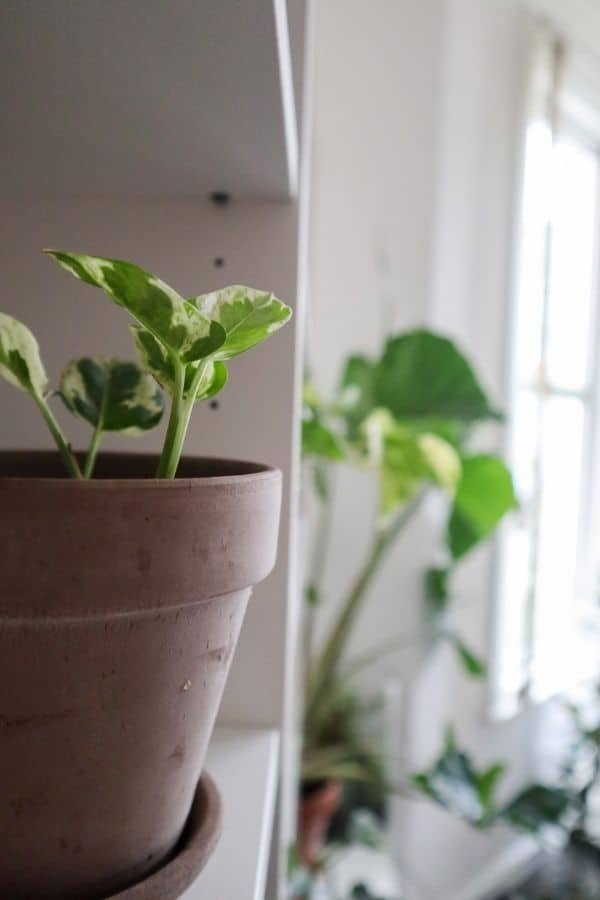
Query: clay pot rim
235, 472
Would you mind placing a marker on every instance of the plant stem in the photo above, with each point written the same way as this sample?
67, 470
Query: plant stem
90, 460
340, 632
381, 651
64, 448
319, 561
179, 419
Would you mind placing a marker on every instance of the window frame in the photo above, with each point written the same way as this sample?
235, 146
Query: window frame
504, 703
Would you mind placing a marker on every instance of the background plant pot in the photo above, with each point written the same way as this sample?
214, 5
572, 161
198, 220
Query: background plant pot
121, 605
318, 804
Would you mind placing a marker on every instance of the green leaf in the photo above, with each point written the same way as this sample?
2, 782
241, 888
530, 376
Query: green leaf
177, 324
406, 462
450, 430
312, 595
472, 664
538, 807
320, 482
402, 470
117, 396
357, 390
156, 360
485, 493
452, 783
318, 439
214, 379
310, 395
443, 460
248, 316
398, 458
422, 374
205, 345
487, 783
455, 784
20, 361
436, 588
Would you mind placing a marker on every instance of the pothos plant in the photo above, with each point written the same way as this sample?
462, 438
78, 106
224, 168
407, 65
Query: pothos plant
407, 417
183, 346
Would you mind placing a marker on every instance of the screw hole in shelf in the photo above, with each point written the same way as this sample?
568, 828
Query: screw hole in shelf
220, 198
214, 404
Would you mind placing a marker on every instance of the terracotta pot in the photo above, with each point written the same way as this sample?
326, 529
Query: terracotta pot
199, 839
318, 804
121, 604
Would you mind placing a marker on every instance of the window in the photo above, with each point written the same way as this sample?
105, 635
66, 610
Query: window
550, 554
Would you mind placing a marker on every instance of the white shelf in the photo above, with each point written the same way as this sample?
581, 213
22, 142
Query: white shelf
244, 764
146, 98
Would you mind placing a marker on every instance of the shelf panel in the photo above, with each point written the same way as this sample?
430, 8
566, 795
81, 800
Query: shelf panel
146, 98
244, 764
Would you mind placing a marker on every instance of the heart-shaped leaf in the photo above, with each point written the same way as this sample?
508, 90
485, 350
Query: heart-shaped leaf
20, 361
154, 304
422, 374
248, 316
156, 360
112, 395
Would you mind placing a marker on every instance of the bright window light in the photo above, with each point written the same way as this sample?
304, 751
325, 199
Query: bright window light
549, 566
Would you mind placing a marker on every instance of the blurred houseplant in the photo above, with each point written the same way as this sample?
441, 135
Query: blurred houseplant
407, 417
564, 815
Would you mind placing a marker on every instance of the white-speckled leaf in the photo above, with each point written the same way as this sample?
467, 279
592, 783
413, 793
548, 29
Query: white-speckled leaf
118, 396
248, 316
20, 361
177, 324
444, 461
213, 380
407, 462
154, 359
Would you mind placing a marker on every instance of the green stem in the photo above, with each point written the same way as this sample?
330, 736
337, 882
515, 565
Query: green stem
319, 562
339, 635
381, 651
179, 419
64, 448
90, 459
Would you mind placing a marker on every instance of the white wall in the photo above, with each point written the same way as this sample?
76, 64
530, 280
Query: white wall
415, 156
376, 127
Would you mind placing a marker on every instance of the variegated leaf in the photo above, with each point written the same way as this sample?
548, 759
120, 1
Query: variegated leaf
20, 361
401, 465
213, 380
443, 460
248, 316
177, 324
405, 461
117, 396
156, 360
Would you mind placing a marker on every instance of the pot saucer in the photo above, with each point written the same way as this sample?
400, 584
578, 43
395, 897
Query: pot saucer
197, 843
